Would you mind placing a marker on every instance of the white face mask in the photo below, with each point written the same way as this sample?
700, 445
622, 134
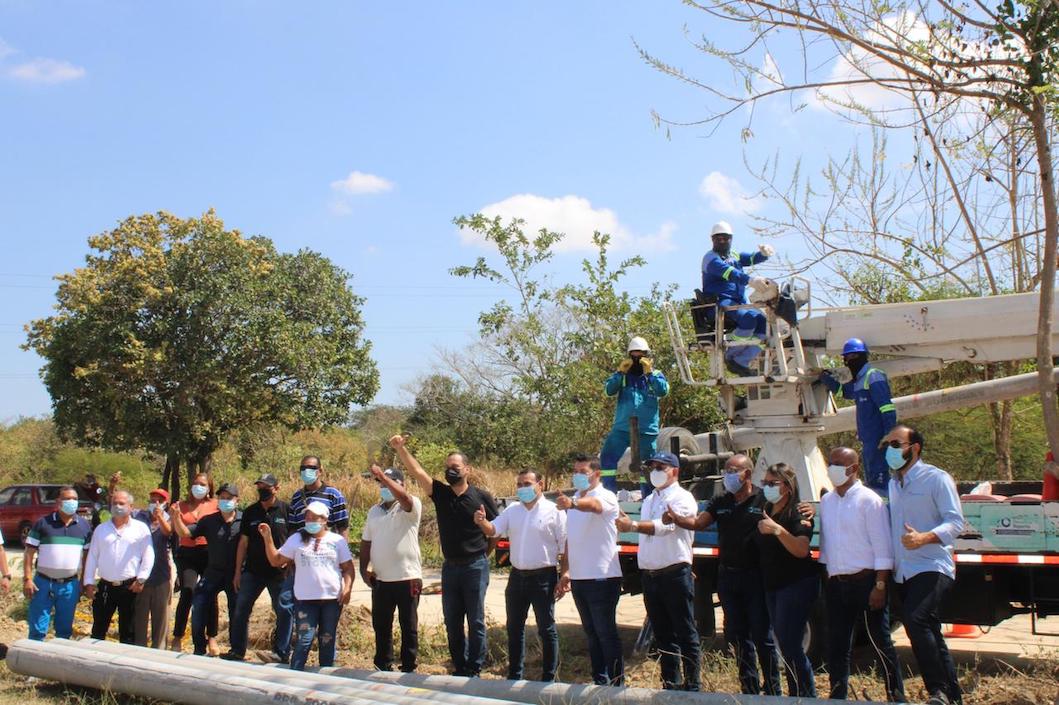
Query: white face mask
659, 478
837, 474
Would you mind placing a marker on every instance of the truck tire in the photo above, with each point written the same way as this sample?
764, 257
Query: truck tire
688, 444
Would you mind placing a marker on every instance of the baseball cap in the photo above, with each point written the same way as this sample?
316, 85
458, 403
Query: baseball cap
160, 492
267, 479
229, 488
394, 474
319, 509
665, 458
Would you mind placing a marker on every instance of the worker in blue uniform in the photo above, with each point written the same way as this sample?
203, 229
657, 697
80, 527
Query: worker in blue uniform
638, 388
723, 277
876, 414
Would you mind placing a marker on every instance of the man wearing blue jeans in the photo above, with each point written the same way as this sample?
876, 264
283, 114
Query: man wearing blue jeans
590, 568
465, 572
58, 542
925, 519
258, 574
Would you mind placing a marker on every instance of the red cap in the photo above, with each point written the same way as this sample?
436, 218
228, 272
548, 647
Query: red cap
159, 491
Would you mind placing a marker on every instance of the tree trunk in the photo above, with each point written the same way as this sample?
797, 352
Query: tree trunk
200, 465
1000, 413
1039, 120
171, 476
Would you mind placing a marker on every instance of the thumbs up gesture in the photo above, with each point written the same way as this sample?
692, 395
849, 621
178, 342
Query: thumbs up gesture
768, 525
913, 539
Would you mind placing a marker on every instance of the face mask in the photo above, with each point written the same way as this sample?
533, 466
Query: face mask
659, 478
313, 527
226, 505
722, 248
386, 493
856, 364
581, 481
199, 491
895, 458
309, 475
265, 493
68, 506
837, 474
733, 481
772, 493
526, 494
119, 510
453, 476
155, 505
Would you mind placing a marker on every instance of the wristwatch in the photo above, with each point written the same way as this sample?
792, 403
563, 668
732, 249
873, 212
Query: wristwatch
880, 584
574, 503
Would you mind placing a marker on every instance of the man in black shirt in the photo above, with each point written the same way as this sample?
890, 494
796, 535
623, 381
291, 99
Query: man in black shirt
465, 572
258, 574
739, 583
221, 530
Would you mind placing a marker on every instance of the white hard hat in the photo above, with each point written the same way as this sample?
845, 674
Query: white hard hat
638, 343
721, 227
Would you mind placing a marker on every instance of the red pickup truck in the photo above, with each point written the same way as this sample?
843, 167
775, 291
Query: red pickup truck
22, 505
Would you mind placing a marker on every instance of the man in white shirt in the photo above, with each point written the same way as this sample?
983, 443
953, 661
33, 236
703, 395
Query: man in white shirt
664, 558
121, 554
590, 567
537, 530
857, 550
390, 545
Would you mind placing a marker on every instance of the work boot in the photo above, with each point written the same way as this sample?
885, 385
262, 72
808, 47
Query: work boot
232, 656
739, 370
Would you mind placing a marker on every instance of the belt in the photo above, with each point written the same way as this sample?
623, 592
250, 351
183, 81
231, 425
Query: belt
117, 583
464, 561
668, 570
854, 577
56, 580
535, 572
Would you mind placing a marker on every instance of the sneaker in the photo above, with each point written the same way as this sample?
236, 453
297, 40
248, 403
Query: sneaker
938, 699
232, 656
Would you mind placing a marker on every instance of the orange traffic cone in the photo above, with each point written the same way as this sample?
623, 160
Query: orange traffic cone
963, 631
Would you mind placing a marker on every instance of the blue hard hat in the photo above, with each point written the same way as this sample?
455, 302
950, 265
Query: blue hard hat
854, 345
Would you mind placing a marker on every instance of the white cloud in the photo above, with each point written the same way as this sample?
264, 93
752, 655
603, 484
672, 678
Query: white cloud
577, 219
6, 49
37, 70
726, 195
359, 184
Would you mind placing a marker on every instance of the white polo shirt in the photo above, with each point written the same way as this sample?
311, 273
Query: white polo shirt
592, 539
670, 544
538, 535
855, 532
394, 536
117, 555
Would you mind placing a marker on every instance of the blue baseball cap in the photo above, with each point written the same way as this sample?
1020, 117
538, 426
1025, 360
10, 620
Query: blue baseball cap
667, 459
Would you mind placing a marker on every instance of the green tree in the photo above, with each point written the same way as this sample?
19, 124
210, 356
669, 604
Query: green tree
177, 332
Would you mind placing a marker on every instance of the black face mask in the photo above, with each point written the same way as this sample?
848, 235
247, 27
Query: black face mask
856, 364
453, 476
722, 248
265, 493
637, 367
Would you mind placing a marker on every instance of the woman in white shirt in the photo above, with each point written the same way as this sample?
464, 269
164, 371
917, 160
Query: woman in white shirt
323, 580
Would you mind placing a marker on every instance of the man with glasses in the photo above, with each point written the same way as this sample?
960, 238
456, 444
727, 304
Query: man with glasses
465, 572
314, 489
925, 519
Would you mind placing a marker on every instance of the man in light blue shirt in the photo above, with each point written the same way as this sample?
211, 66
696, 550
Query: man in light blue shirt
925, 519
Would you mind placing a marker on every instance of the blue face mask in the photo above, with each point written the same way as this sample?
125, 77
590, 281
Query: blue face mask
226, 505
313, 527
733, 481
528, 494
309, 475
772, 493
895, 458
199, 491
68, 506
386, 493
581, 481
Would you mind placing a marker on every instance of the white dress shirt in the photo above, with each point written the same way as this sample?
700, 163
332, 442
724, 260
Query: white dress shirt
115, 555
670, 544
538, 535
855, 532
592, 539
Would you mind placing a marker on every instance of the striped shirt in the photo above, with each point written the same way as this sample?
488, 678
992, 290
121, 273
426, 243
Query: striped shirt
337, 520
59, 546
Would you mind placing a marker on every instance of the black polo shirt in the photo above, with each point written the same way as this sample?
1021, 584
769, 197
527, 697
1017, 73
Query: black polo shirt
276, 517
461, 539
222, 541
779, 567
736, 528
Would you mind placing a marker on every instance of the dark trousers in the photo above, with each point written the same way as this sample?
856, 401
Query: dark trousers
402, 596
281, 591
534, 589
847, 605
110, 598
597, 604
315, 619
205, 597
921, 596
190, 565
463, 589
747, 629
789, 609
670, 601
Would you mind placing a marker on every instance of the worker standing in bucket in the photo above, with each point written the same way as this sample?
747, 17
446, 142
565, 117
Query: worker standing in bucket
638, 387
876, 414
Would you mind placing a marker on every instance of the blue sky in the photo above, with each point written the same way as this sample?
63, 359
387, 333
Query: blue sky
360, 130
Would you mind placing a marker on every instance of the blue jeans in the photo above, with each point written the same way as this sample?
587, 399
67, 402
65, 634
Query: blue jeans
597, 603
281, 590
789, 609
463, 597
536, 589
315, 619
747, 629
614, 446
205, 596
921, 595
53, 595
670, 602
847, 605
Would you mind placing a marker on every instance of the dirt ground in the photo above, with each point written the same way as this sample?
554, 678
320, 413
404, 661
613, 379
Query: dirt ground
1006, 666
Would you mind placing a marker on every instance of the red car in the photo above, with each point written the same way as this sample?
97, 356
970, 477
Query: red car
22, 505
